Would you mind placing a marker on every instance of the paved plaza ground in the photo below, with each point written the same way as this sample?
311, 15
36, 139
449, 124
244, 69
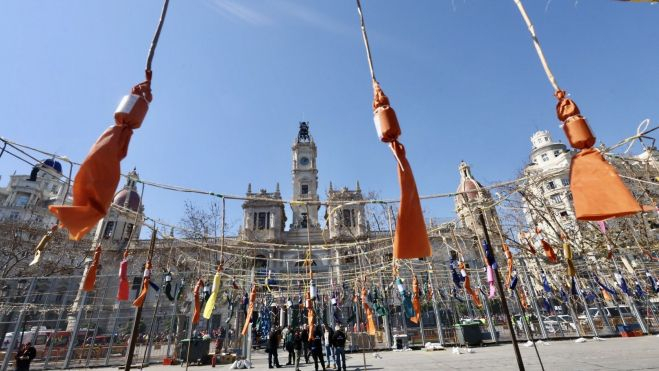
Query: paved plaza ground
641, 353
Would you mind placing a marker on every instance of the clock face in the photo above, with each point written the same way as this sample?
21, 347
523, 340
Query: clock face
304, 161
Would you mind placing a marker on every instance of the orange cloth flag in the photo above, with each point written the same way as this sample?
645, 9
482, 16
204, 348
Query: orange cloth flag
522, 299
98, 176
509, 261
468, 289
597, 190
250, 310
549, 251
124, 291
370, 319
411, 237
139, 301
416, 300
90, 277
197, 302
311, 316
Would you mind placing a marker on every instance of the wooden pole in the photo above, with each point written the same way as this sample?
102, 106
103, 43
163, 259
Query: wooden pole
138, 313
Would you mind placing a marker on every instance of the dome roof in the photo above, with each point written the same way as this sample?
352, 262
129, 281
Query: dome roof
470, 187
468, 184
128, 198
53, 164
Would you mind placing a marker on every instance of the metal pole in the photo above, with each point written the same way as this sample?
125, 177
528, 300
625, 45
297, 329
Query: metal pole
149, 342
502, 296
19, 321
585, 304
74, 333
169, 336
529, 334
52, 340
114, 330
385, 318
534, 299
438, 318
488, 313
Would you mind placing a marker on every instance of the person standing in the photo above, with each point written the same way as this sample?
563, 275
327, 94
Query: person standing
26, 353
289, 340
297, 346
339, 345
317, 348
305, 342
328, 334
273, 344
219, 343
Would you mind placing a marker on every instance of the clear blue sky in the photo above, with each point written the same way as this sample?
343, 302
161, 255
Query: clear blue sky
233, 78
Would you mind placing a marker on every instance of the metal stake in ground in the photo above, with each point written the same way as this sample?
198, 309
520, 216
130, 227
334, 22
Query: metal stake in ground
138, 312
502, 296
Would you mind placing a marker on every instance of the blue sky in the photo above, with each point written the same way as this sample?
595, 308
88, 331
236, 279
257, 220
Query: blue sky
232, 79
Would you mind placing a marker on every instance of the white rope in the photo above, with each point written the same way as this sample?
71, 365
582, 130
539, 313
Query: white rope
536, 43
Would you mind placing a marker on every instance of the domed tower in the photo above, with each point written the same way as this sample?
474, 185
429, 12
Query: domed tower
115, 229
471, 197
305, 181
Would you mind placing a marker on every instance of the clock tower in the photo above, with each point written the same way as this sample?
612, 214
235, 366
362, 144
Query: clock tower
305, 180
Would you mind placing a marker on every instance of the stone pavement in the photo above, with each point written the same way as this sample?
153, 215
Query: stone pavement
641, 353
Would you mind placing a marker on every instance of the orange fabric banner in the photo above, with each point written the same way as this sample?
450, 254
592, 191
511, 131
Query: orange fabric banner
250, 310
90, 277
139, 301
549, 252
597, 190
416, 300
509, 261
411, 237
98, 176
124, 291
197, 302
468, 289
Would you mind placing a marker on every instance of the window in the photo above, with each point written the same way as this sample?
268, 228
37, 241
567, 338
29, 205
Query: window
545, 157
565, 182
263, 221
22, 199
109, 229
303, 223
305, 189
551, 185
556, 198
557, 153
564, 214
128, 231
14, 215
348, 218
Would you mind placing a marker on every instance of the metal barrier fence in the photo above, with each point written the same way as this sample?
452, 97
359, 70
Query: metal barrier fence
72, 329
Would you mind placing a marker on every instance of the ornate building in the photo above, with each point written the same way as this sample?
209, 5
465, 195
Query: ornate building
265, 217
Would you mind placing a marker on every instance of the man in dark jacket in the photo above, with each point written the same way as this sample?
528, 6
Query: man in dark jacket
339, 340
317, 348
24, 356
297, 346
273, 344
305, 342
288, 345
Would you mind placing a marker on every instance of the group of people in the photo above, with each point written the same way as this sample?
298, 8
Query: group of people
298, 344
